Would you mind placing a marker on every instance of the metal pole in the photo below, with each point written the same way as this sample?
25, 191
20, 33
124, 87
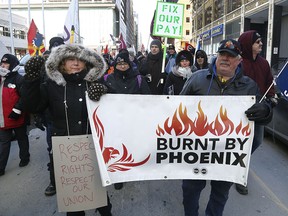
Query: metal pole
11, 29
43, 20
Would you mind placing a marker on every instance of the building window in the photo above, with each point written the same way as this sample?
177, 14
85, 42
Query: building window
233, 5
218, 9
187, 19
187, 32
4, 31
188, 6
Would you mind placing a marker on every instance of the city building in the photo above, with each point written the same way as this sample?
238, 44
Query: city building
98, 19
19, 31
215, 20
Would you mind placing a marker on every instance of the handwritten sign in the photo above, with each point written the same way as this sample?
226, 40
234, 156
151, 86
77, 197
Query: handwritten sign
77, 177
169, 20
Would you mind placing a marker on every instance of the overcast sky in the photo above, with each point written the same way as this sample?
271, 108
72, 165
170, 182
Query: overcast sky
145, 9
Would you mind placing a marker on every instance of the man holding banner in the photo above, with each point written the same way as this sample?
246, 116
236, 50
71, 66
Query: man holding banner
223, 77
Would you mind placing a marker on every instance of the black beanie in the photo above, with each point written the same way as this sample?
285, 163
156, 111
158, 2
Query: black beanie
255, 37
184, 54
11, 60
55, 41
122, 57
157, 43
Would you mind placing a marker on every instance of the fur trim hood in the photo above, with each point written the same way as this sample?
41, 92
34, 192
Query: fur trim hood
95, 63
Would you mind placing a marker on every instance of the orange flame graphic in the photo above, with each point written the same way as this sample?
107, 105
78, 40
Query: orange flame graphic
126, 162
182, 124
201, 123
179, 126
216, 127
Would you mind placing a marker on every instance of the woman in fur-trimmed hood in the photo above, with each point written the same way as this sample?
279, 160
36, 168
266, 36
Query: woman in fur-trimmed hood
95, 64
71, 70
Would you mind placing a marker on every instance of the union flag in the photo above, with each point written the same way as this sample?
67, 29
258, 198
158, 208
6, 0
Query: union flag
35, 40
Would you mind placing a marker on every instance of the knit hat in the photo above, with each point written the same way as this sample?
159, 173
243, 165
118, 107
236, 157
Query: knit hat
122, 57
11, 60
255, 37
157, 43
171, 46
55, 41
230, 46
184, 54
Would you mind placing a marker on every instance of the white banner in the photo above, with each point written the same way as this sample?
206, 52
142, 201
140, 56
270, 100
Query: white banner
149, 137
77, 176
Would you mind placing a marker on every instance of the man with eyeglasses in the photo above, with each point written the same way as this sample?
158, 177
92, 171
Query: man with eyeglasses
223, 77
257, 68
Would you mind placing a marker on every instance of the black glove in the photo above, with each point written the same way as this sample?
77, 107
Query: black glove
38, 122
33, 67
14, 115
258, 112
272, 101
96, 90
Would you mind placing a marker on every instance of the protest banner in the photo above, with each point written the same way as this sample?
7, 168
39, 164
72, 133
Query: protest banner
77, 177
168, 20
149, 137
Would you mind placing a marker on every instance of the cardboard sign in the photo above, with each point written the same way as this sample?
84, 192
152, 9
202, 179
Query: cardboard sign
77, 177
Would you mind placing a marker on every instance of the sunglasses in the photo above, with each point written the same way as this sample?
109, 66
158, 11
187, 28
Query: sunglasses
199, 56
258, 41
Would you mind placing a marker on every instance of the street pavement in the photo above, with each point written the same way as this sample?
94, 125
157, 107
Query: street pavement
22, 189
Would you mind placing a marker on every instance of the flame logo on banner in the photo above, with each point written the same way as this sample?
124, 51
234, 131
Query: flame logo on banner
125, 162
181, 124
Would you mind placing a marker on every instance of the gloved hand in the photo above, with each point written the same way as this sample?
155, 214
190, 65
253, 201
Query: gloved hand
15, 114
258, 112
33, 67
38, 122
96, 90
272, 101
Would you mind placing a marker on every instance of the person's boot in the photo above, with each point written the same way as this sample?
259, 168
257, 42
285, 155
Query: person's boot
50, 190
241, 189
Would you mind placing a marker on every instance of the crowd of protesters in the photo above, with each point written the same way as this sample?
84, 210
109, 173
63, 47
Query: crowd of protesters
65, 68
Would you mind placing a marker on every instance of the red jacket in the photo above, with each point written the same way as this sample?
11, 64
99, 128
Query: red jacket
10, 98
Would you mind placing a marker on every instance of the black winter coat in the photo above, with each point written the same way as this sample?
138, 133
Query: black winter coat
64, 94
128, 82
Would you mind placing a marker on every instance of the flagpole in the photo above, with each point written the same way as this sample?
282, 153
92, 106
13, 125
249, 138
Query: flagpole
29, 17
43, 20
78, 32
273, 83
11, 30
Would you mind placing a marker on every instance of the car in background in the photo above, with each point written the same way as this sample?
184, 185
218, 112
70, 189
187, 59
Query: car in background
22, 63
278, 127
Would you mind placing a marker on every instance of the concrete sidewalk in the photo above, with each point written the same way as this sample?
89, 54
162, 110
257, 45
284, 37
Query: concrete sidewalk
22, 189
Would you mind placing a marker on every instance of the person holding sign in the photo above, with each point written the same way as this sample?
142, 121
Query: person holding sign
152, 68
223, 77
71, 70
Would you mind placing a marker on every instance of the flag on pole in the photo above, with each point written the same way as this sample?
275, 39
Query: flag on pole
122, 42
35, 40
71, 26
198, 43
113, 38
106, 50
282, 81
190, 48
